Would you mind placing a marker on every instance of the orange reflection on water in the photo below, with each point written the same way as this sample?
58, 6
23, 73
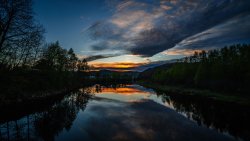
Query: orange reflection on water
123, 91
127, 93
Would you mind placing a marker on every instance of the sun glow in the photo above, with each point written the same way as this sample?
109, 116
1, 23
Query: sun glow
115, 65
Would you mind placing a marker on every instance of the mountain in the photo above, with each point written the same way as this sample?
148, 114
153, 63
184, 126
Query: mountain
153, 65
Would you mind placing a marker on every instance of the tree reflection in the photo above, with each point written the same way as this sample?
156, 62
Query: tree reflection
100, 88
225, 117
47, 124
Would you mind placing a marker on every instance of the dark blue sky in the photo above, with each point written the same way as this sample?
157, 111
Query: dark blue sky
142, 31
65, 20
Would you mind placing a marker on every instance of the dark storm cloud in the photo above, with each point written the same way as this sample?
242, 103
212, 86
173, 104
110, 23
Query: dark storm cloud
147, 28
96, 57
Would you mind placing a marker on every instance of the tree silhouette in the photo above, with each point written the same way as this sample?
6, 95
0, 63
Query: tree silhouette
20, 35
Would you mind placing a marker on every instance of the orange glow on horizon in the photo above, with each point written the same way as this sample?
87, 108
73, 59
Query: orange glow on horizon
115, 65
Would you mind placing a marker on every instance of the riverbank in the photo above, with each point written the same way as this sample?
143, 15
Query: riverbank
182, 90
22, 86
33, 98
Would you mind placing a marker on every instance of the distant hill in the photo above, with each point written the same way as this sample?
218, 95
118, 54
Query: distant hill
144, 75
113, 74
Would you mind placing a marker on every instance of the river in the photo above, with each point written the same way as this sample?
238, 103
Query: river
126, 112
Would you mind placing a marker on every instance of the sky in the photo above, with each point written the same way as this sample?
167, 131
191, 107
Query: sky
127, 34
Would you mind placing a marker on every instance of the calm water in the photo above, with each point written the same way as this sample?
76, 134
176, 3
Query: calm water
125, 112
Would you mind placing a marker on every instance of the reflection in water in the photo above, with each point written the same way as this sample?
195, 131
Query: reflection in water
126, 93
225, 117
46, 124
126, 112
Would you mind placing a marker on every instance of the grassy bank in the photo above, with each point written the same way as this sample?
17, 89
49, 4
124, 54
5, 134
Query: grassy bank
182, 90
19, 86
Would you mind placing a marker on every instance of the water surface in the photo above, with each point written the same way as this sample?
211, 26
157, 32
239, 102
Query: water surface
126, 112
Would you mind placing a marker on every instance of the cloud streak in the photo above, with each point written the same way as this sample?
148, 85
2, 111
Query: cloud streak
236, 30
96, 57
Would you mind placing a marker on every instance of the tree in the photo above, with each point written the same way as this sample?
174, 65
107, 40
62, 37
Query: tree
20, 35
53, 58
72, 60
82, 65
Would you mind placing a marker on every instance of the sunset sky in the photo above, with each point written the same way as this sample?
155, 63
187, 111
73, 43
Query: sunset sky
127, 34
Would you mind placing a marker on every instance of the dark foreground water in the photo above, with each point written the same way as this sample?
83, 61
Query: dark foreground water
125, 112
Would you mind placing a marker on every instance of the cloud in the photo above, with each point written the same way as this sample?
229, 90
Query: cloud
146, 28
96, 57
81, 56
126, 19
185, 52
235, 30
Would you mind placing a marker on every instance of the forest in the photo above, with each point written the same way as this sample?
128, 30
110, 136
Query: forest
226, 69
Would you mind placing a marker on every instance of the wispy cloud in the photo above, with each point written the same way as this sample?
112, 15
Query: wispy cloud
184, 52
235, 30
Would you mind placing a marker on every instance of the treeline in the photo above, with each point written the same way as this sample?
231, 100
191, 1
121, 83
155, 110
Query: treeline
55, 69
27, 64
112, 77
55, 58
226, 69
